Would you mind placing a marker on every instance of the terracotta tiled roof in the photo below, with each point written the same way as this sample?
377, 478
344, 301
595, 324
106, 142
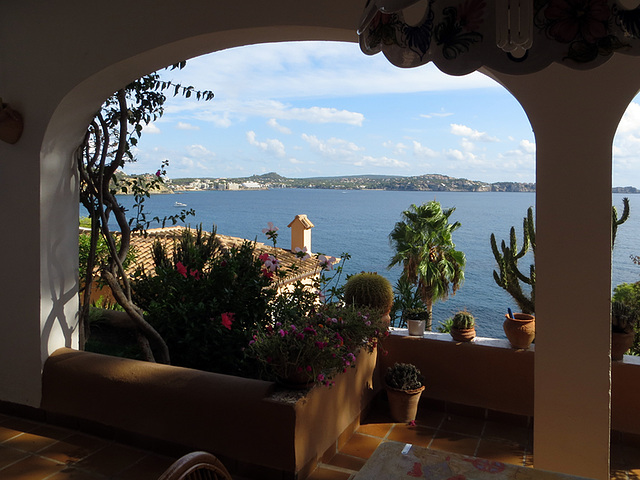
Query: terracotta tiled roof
169, 235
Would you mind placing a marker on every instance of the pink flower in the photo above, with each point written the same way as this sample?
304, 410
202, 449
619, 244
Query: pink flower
195, 274
282, 332
301, 253
270, 229
412, 423
309, 368
182, 270
321, 377
264, 257
227, 320
326, 262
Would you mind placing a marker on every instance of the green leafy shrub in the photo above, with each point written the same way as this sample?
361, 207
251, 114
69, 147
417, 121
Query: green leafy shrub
445, 327
206, 302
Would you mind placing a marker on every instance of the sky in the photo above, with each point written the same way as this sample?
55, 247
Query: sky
308, 109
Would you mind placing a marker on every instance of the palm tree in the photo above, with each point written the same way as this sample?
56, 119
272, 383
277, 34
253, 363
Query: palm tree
424, 246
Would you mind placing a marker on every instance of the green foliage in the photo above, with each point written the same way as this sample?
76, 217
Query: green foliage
313, 345
463, 320
101, 253
206, 302
406, 300
625, 312
510, 276
404, 376
369, 289
424, 246
445, 327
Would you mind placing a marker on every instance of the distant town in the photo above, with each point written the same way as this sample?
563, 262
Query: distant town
429, 182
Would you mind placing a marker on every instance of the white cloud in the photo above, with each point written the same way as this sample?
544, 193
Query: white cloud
420, 150
332, 147
464, 131
186, 126
436, 115
398, 148
271, 145
630, 122
151, 128
527, 146
199, 151
384, 162
455, 154
273, 123
295, 161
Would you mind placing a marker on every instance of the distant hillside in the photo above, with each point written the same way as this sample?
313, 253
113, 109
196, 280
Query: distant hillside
429, 182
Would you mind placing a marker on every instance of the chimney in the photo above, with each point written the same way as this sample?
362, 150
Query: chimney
301, 232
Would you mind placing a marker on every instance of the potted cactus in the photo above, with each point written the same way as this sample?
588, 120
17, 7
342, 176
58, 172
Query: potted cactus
463, 327
404, 385
368, 289
624, 322
417, 318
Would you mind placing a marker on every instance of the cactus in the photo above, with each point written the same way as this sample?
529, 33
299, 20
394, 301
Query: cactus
510, 276
616, 222
624, 319
369, 289
404, 376
463, 320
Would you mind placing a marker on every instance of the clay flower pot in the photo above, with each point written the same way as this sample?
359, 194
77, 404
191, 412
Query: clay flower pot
416, 327
620, 343
520, 330
463, 334
403, 403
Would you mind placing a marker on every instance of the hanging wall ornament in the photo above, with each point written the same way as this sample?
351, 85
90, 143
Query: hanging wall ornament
509, 36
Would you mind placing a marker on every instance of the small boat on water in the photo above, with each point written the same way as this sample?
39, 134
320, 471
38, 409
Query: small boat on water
179, 204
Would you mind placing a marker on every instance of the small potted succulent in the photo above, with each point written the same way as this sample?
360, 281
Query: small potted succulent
463, 327
624, 322
368, 289
417, 319
404, 384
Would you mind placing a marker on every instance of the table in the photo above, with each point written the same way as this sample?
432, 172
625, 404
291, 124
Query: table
396, 461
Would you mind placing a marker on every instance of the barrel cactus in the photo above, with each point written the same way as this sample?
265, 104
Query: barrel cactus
463, 320
369, 289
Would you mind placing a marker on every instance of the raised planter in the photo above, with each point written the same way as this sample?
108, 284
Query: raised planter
243, 421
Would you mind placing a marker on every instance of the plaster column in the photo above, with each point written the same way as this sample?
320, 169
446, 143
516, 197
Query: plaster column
574, 115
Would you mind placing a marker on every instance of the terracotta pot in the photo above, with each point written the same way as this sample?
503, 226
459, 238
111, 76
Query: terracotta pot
620, 343
520, 330
463, 334
416, 327
11, 124
403, 403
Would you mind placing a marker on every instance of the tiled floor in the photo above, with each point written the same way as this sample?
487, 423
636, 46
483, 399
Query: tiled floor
505, 440
34, 451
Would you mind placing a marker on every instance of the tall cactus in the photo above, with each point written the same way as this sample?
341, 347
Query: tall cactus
510, 276
616, 222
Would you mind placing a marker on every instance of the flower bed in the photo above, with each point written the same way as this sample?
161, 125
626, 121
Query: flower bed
246, 422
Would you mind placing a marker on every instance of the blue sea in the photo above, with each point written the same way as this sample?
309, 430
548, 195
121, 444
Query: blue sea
358, 222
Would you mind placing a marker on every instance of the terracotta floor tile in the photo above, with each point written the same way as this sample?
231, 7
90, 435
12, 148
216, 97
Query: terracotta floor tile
71, 473
360, 446
20, 424
375, 429
462, 425
416, 435
9, 456
455, 443
50, 431
29, 442
501, 452
634, 474
618, 474
31, 468
429, 418
73, 448
322, 473
508, 433
149, 468
6, 433
346, 461
110, 460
